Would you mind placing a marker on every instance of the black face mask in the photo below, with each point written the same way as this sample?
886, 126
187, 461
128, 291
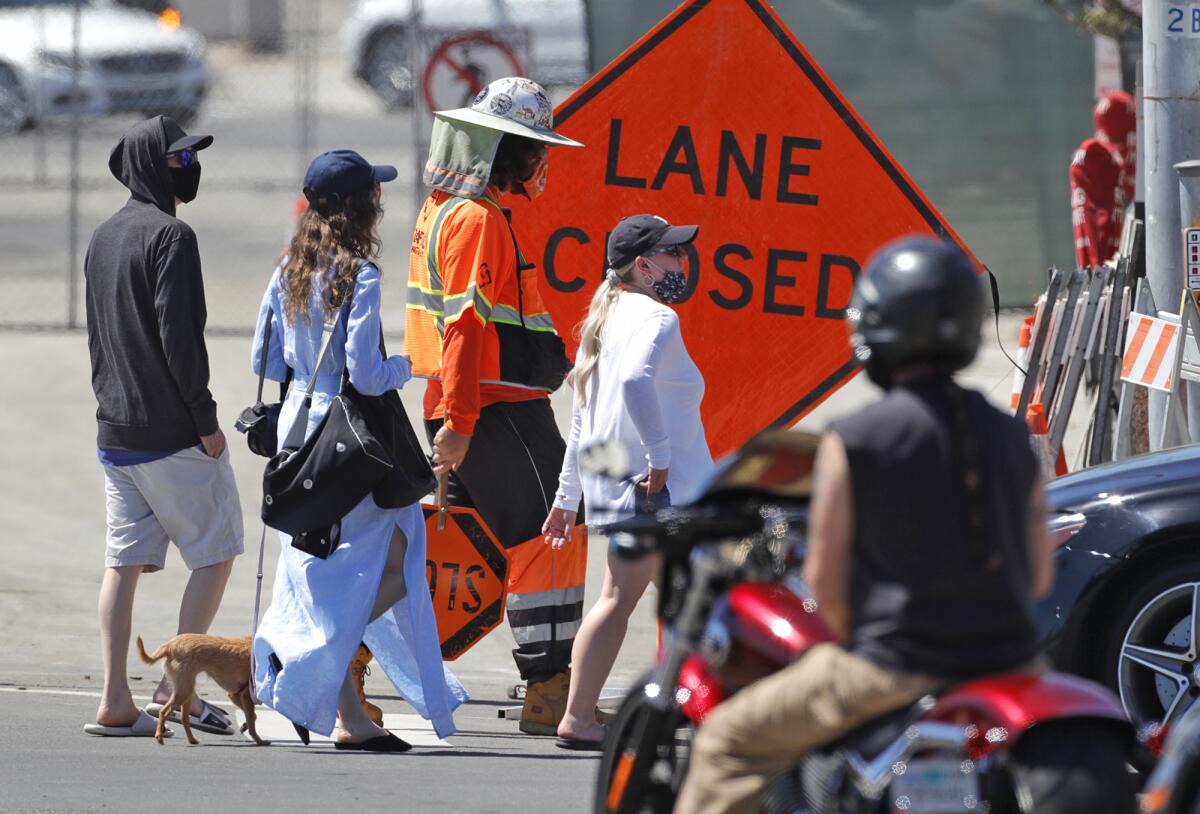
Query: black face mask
186, 181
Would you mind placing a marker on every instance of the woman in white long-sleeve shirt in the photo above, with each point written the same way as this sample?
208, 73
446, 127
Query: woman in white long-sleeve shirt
634, 383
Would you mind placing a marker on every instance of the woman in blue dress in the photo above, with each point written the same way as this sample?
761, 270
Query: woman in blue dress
322, 609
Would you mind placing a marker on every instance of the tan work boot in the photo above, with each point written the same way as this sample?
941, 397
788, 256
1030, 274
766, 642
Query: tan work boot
360, 670
545, 704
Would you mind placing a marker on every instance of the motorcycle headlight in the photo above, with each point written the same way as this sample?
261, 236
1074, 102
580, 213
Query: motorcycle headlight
1063, 527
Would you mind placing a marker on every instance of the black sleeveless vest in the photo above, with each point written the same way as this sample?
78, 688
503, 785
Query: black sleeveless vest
940, 576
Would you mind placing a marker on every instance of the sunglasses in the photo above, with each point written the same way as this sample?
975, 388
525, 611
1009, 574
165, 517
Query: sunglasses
186, 157
672, 251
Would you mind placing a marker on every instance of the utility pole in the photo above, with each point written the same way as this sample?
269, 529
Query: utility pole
1171, 74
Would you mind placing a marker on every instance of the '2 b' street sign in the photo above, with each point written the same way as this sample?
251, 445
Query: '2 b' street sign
1183, 19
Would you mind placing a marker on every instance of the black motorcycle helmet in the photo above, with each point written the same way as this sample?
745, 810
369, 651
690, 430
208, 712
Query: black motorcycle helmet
920, 302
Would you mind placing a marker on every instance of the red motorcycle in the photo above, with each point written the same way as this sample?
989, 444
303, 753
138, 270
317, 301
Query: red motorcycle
733, 611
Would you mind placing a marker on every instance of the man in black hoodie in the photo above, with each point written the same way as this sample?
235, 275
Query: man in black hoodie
166, 468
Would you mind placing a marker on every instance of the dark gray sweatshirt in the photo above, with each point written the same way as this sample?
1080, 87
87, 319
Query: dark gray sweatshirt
145, 308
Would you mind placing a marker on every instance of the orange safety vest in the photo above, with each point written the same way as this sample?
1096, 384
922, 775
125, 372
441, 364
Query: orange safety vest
465, 263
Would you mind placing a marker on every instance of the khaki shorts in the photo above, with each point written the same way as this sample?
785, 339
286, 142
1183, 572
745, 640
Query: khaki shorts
187, 498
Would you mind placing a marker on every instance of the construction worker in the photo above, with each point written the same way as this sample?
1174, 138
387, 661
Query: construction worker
478, 330
1102, 177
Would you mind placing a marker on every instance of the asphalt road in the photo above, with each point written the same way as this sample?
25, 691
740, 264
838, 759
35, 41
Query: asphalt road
51, 501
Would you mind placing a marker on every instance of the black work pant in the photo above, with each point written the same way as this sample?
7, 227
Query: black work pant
509, 476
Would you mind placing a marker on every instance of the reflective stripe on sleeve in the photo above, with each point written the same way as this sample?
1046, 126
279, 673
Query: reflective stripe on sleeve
423, 299
456, 304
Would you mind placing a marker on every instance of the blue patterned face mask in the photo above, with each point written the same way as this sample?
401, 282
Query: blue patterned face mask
671, 287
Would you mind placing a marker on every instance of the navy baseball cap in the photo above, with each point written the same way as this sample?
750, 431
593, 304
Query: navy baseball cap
641, 234
335, 174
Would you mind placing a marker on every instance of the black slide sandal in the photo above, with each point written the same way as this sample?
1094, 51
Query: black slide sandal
379, 743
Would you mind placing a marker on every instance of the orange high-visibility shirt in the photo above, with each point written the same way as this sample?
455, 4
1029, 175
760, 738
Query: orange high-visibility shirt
463, 282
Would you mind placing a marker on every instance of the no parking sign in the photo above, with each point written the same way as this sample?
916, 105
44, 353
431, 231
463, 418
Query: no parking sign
462, 63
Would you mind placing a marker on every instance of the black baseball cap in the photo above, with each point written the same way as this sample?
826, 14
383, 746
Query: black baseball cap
178, 140
337, 173
641, 234
190, 143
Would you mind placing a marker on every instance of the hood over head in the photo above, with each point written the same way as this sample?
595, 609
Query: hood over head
139, 161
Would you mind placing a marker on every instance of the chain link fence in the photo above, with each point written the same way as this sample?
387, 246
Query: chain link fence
267, 78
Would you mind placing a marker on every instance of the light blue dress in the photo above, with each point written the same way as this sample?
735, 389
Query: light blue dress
319, 608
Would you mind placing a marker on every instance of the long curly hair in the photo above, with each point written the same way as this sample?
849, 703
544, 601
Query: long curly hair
339, 239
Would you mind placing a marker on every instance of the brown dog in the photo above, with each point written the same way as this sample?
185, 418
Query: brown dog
227, 662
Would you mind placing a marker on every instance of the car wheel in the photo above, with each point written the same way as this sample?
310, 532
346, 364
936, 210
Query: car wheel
15, 112
386, 68
1152, 658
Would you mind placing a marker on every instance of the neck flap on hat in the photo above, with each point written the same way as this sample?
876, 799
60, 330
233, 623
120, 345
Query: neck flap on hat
460, 157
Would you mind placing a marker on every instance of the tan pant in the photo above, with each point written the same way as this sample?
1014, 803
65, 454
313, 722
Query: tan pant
769, 725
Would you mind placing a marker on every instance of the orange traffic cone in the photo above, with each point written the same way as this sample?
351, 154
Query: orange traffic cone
1022, 361
1053, 462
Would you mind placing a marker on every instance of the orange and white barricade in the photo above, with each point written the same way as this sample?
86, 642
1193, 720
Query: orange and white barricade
1022, 360
1151, 349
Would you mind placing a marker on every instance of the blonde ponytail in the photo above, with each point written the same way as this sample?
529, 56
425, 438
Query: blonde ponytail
590, 329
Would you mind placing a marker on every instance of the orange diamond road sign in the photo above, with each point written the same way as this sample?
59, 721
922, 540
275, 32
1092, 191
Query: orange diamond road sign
467, 571
719, 117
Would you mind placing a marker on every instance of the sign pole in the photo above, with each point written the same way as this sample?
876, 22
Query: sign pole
420, 119
1171, 44
73, 212
1188, 246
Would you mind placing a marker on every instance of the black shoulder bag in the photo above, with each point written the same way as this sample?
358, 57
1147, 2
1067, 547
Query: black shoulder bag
260, 422
364, 445
411, 477
310, 485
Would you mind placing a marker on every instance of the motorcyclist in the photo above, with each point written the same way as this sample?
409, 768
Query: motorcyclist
927, 539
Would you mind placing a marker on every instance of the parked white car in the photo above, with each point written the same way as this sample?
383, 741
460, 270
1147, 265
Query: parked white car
129, 60
375, 37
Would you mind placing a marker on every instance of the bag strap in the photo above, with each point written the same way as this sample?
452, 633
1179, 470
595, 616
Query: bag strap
346, 305
262, 363
296, 434
266, 348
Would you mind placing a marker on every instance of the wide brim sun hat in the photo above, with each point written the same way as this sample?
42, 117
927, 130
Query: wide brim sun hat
512, 105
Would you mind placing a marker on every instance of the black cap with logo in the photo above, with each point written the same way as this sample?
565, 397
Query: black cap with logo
641, 234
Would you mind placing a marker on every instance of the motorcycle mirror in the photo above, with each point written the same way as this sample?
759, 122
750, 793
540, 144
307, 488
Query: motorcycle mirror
608, 459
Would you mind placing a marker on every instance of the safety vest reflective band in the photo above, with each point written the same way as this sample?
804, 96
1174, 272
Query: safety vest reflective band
509, 308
